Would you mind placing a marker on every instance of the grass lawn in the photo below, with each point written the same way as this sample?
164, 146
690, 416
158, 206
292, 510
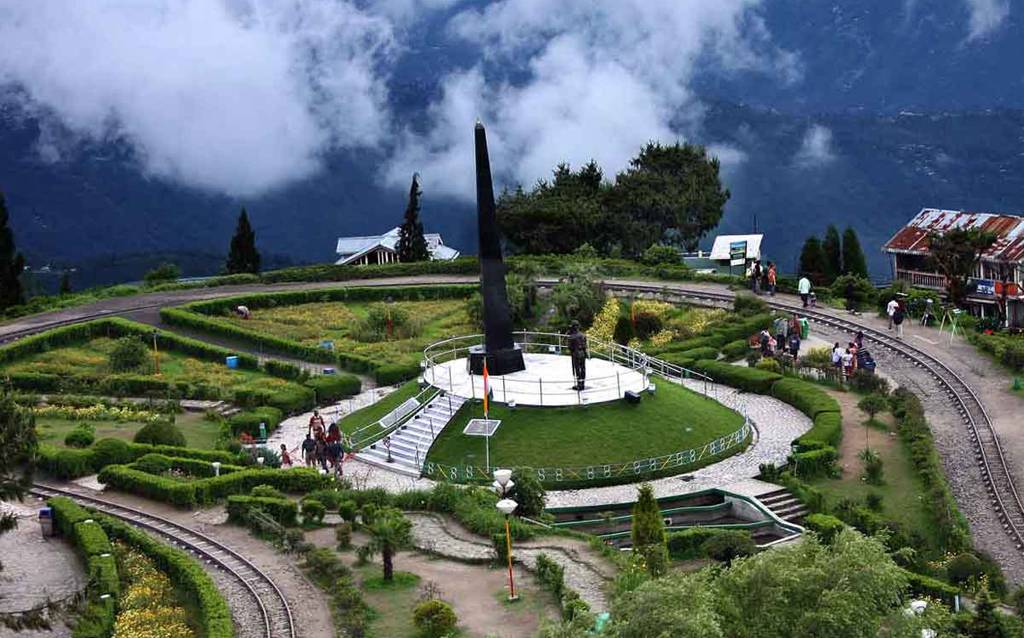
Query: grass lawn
92, 357
198, 431
312, 322
373, 413
902, 494
672, 420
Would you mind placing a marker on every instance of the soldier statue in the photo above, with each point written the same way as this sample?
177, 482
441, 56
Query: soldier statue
578, 352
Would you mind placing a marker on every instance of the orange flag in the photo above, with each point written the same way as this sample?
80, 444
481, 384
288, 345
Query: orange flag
486, 389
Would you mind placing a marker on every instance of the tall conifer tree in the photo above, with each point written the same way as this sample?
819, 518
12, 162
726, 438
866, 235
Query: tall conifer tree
812, 261
833, 253
854, 262
412, 246
11, 263
243, 256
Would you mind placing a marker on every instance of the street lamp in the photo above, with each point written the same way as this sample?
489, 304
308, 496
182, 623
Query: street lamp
503, 484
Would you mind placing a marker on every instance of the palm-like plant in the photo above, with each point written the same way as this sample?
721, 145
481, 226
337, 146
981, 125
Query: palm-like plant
390, 532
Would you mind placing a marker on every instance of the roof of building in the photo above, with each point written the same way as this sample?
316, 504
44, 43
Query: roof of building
1009, 231
352, 248
720, 249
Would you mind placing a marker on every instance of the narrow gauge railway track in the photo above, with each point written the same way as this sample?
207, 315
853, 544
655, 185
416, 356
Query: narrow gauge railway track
989, 453
259, 609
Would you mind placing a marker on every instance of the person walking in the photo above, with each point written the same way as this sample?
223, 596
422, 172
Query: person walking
772, 278
897, 319
755, 277
286, 459
794, 345
316, 425
890, 309
309, 451
804, 288
927, 317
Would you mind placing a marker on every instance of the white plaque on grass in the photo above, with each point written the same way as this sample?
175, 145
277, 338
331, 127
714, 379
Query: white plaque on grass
481, 427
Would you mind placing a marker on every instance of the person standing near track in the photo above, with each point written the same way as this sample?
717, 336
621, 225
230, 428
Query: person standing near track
804, 288
890, 309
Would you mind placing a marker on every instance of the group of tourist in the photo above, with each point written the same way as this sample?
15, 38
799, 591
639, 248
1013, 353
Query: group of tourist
762, 278
784, 338
852, 358
324, 446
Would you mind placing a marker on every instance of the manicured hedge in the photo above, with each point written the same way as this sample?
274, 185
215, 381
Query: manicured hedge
358, 294
827, 430
90, 538
921, 585
826, 526
281, 510
333, 272
742, 377
249, 421
709, 353
211, 610
804, 396
394, 373
816, 462
690, 543
208, 490
736, 349
677, 358
160, 463
67, 463
331, 387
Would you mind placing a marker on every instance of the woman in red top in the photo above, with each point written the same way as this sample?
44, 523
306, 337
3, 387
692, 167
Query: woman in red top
286, 459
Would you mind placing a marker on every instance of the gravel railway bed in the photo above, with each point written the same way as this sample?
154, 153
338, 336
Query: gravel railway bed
258, 607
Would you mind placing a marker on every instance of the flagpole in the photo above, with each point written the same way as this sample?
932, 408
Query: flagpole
487, 438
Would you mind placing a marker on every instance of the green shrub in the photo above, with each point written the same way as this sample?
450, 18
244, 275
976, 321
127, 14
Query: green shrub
80, 436
921, 585
313, 511
963, 567
748, 304
165, 272
129, 354
65, 463
392, 374
658, 254
864, 292
281, 510
348, 510
825, 526
434, 619
735, 350
160, 433
804, 396
699, 353
872, 466
729, 545
866, 382
343, 535
769, 364
686, 545
816, 462
826, 431
528, 492
266, 491
747, 379
249, 421
331, 387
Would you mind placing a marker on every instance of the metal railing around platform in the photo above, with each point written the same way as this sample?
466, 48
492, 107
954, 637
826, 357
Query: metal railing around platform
603, 471
384, 426
633, 360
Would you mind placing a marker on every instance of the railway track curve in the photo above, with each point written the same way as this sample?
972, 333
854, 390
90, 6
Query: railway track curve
989, 454
258, 606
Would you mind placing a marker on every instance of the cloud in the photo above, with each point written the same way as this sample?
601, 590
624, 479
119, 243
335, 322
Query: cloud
238, 96
577, 80
816, 148
986, 16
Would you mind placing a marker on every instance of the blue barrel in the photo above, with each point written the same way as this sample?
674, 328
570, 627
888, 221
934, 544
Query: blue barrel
232, 362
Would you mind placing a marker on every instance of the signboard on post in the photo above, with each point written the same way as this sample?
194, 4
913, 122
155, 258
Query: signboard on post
737, 254
986, 287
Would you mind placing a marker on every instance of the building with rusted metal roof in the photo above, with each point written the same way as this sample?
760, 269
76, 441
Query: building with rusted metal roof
1001, 269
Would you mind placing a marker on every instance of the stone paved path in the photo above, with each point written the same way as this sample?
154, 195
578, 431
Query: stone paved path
586, 572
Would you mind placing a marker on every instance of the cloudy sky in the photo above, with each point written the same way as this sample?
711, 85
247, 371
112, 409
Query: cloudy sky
247, 96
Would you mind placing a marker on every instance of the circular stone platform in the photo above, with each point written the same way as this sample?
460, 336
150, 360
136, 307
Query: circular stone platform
547, 381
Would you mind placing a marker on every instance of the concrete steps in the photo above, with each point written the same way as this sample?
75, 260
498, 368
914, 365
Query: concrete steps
410, 442
784, 505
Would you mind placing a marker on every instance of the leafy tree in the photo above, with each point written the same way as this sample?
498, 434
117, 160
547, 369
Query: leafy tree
65, 283
811, 590
243, 256
411, 244
390, 531
528, 492
17, 448
163, 273
11, 263
578, 297
129, 354
854, 262
659, 254
676, 606
558, 216
872, 404
648, 531
956, 254
669, 193
161, 433
812, 261
833, 253
985, 622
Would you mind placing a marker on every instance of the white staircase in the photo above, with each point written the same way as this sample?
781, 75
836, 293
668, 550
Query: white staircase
410, 442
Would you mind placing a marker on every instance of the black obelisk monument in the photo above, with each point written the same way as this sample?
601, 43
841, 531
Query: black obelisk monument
499, 349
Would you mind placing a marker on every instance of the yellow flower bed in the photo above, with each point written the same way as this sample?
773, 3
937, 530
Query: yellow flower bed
659, 309
603, 328
96, 412
149, 607
695, 321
